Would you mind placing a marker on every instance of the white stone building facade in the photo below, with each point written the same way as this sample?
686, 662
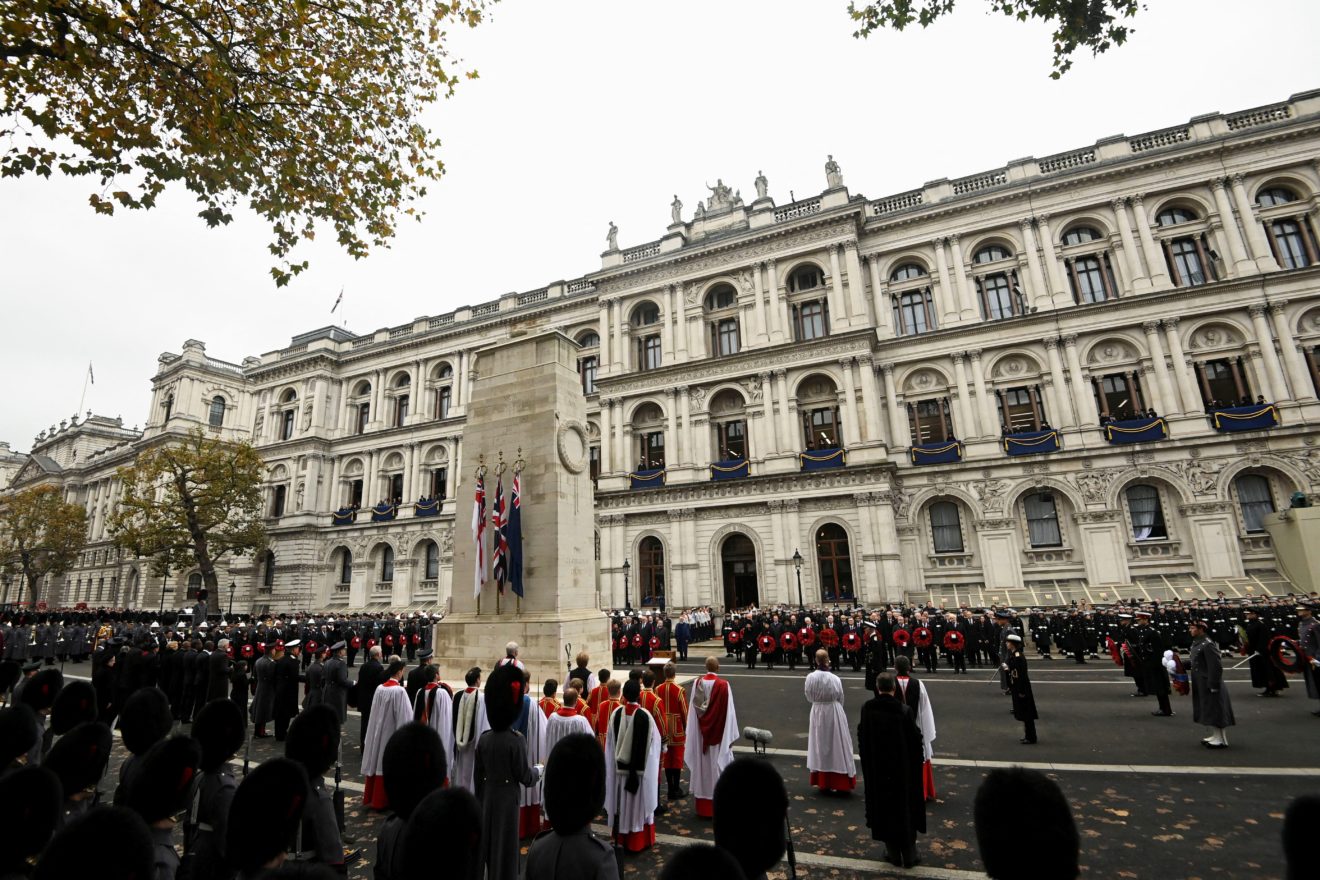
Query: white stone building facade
856, 338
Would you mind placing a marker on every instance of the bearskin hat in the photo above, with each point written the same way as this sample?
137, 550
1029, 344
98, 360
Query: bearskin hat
82, 848
504, 692
313, 739
446, 821
219, 729
79, 758
30, 807
414, 765
18, 732
163, 781
574, 782
265, 813
145, 719
76, 704
42, 689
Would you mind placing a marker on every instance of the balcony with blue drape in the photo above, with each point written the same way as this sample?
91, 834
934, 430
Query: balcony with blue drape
823, 459
943, 452
1245, 418
1136, 431
647, 478
427, 507
344, 516
1032, 442
733, 469
384, 512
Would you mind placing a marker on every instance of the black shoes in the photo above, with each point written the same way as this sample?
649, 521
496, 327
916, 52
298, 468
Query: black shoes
1159, 714
1027, 742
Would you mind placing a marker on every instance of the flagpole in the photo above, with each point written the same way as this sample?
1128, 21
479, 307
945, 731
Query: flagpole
500, 468
86, 377
480, 478
517, 479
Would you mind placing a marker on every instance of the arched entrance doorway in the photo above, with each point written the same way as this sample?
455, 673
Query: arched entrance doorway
836, 581
738, 559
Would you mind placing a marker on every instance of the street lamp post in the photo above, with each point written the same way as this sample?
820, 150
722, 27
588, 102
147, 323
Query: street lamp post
627, 600
233, 585
797, 566
163, 579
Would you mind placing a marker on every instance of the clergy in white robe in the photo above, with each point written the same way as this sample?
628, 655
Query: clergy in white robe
632, 772
390, 710
469, 724
434, 707
564, 721
712, 729
531, 724
912, 692
829, 737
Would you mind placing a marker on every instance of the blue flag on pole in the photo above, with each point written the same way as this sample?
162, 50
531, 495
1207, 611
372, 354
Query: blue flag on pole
513, 536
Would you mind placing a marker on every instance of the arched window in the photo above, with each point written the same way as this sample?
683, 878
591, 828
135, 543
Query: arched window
1293, 247
590, 339
1255, 500
216, 417
1275, 195
722, 296
268, 570
345, 566
1147, 513
1174, 216
836, 582
991, 253
808, 277
194, 584
1081, 235
945, 527
651, 571
169, 407
1042, 520
646, 313
907, 272
432, 561
387, 564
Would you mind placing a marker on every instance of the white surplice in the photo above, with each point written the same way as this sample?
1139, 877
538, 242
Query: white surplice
560, 724
637, 809
829, 738
441, 718
462, 773
706, 764
925, 721
536, 749
390, 710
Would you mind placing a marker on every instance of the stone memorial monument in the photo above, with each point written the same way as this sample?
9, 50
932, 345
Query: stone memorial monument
528, 394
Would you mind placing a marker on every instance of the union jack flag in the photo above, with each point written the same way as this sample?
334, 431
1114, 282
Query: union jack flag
513, 535
479, 536
500, 573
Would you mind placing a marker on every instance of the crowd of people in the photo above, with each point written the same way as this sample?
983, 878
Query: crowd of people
490, 764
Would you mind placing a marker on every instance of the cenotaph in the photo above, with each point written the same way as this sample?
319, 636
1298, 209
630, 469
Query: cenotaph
528, 395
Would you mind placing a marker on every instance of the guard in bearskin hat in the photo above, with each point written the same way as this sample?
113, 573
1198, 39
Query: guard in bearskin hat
38, 694
502, 772
574, 795
19, 733
79, 760
29, 814
76, 704
414, 765
313, 741
81, 848
220, 730
448, 822
161, 790
146, 721
265, 815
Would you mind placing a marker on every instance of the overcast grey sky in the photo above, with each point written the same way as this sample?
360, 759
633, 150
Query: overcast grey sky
592, 111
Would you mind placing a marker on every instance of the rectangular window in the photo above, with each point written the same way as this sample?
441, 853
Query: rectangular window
946, 530
400, 411
443, 397
363, 416
1189, 261
650, 352
725, 336
1222, 383
732, 440
277, 503
286, 426
439, 483
1091, 279
929, 421
916, 314
821, 427
595, 464
1290, 244
1118, 395
652, 450
999, 297
355, 493
810, 320
1042, 521
396, 489
587, 367
1019, 410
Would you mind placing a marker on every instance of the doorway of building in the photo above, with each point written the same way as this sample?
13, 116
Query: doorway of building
738, 558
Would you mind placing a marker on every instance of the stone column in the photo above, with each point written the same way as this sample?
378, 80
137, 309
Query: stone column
768, 414
851, 434
866, 577
671, 440
1083, 400
1041, 297
989, 418
685, 402
1159, 277
856, 284
606, 435
779, 300
1191, 401
1256, 240
966, 296
839, 316
776, 312
1064, 416
626, 346
1136, 272
603, 331
681, 328
1242, 265
945, 296
452, 472
870, 399
459, 392
1058, 290
898, 429
1299, 378
328, 499
879, 299
788, 435
1273, 369
620, 336
1169, 402
762, 329
968, 423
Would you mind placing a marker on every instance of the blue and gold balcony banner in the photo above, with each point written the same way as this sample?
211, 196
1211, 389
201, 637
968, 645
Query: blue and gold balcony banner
384, 512
427, 508
344, 516
652, 478
1245, 418
822, 459
1136, 431
730, 470
1031, 442
937, 453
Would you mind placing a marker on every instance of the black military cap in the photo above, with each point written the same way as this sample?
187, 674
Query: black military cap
313, 739
145, 719
265, 813
42, 689
79, 758
83, 848
163, 781
76, 704
30, 806
574, 782
504, 692
414, 765
219, 729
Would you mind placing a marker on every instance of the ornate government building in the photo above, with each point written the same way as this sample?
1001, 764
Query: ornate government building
1071, 373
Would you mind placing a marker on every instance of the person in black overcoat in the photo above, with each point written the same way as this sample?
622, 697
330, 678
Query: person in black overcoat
890, 745
1019, 686
286, 689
